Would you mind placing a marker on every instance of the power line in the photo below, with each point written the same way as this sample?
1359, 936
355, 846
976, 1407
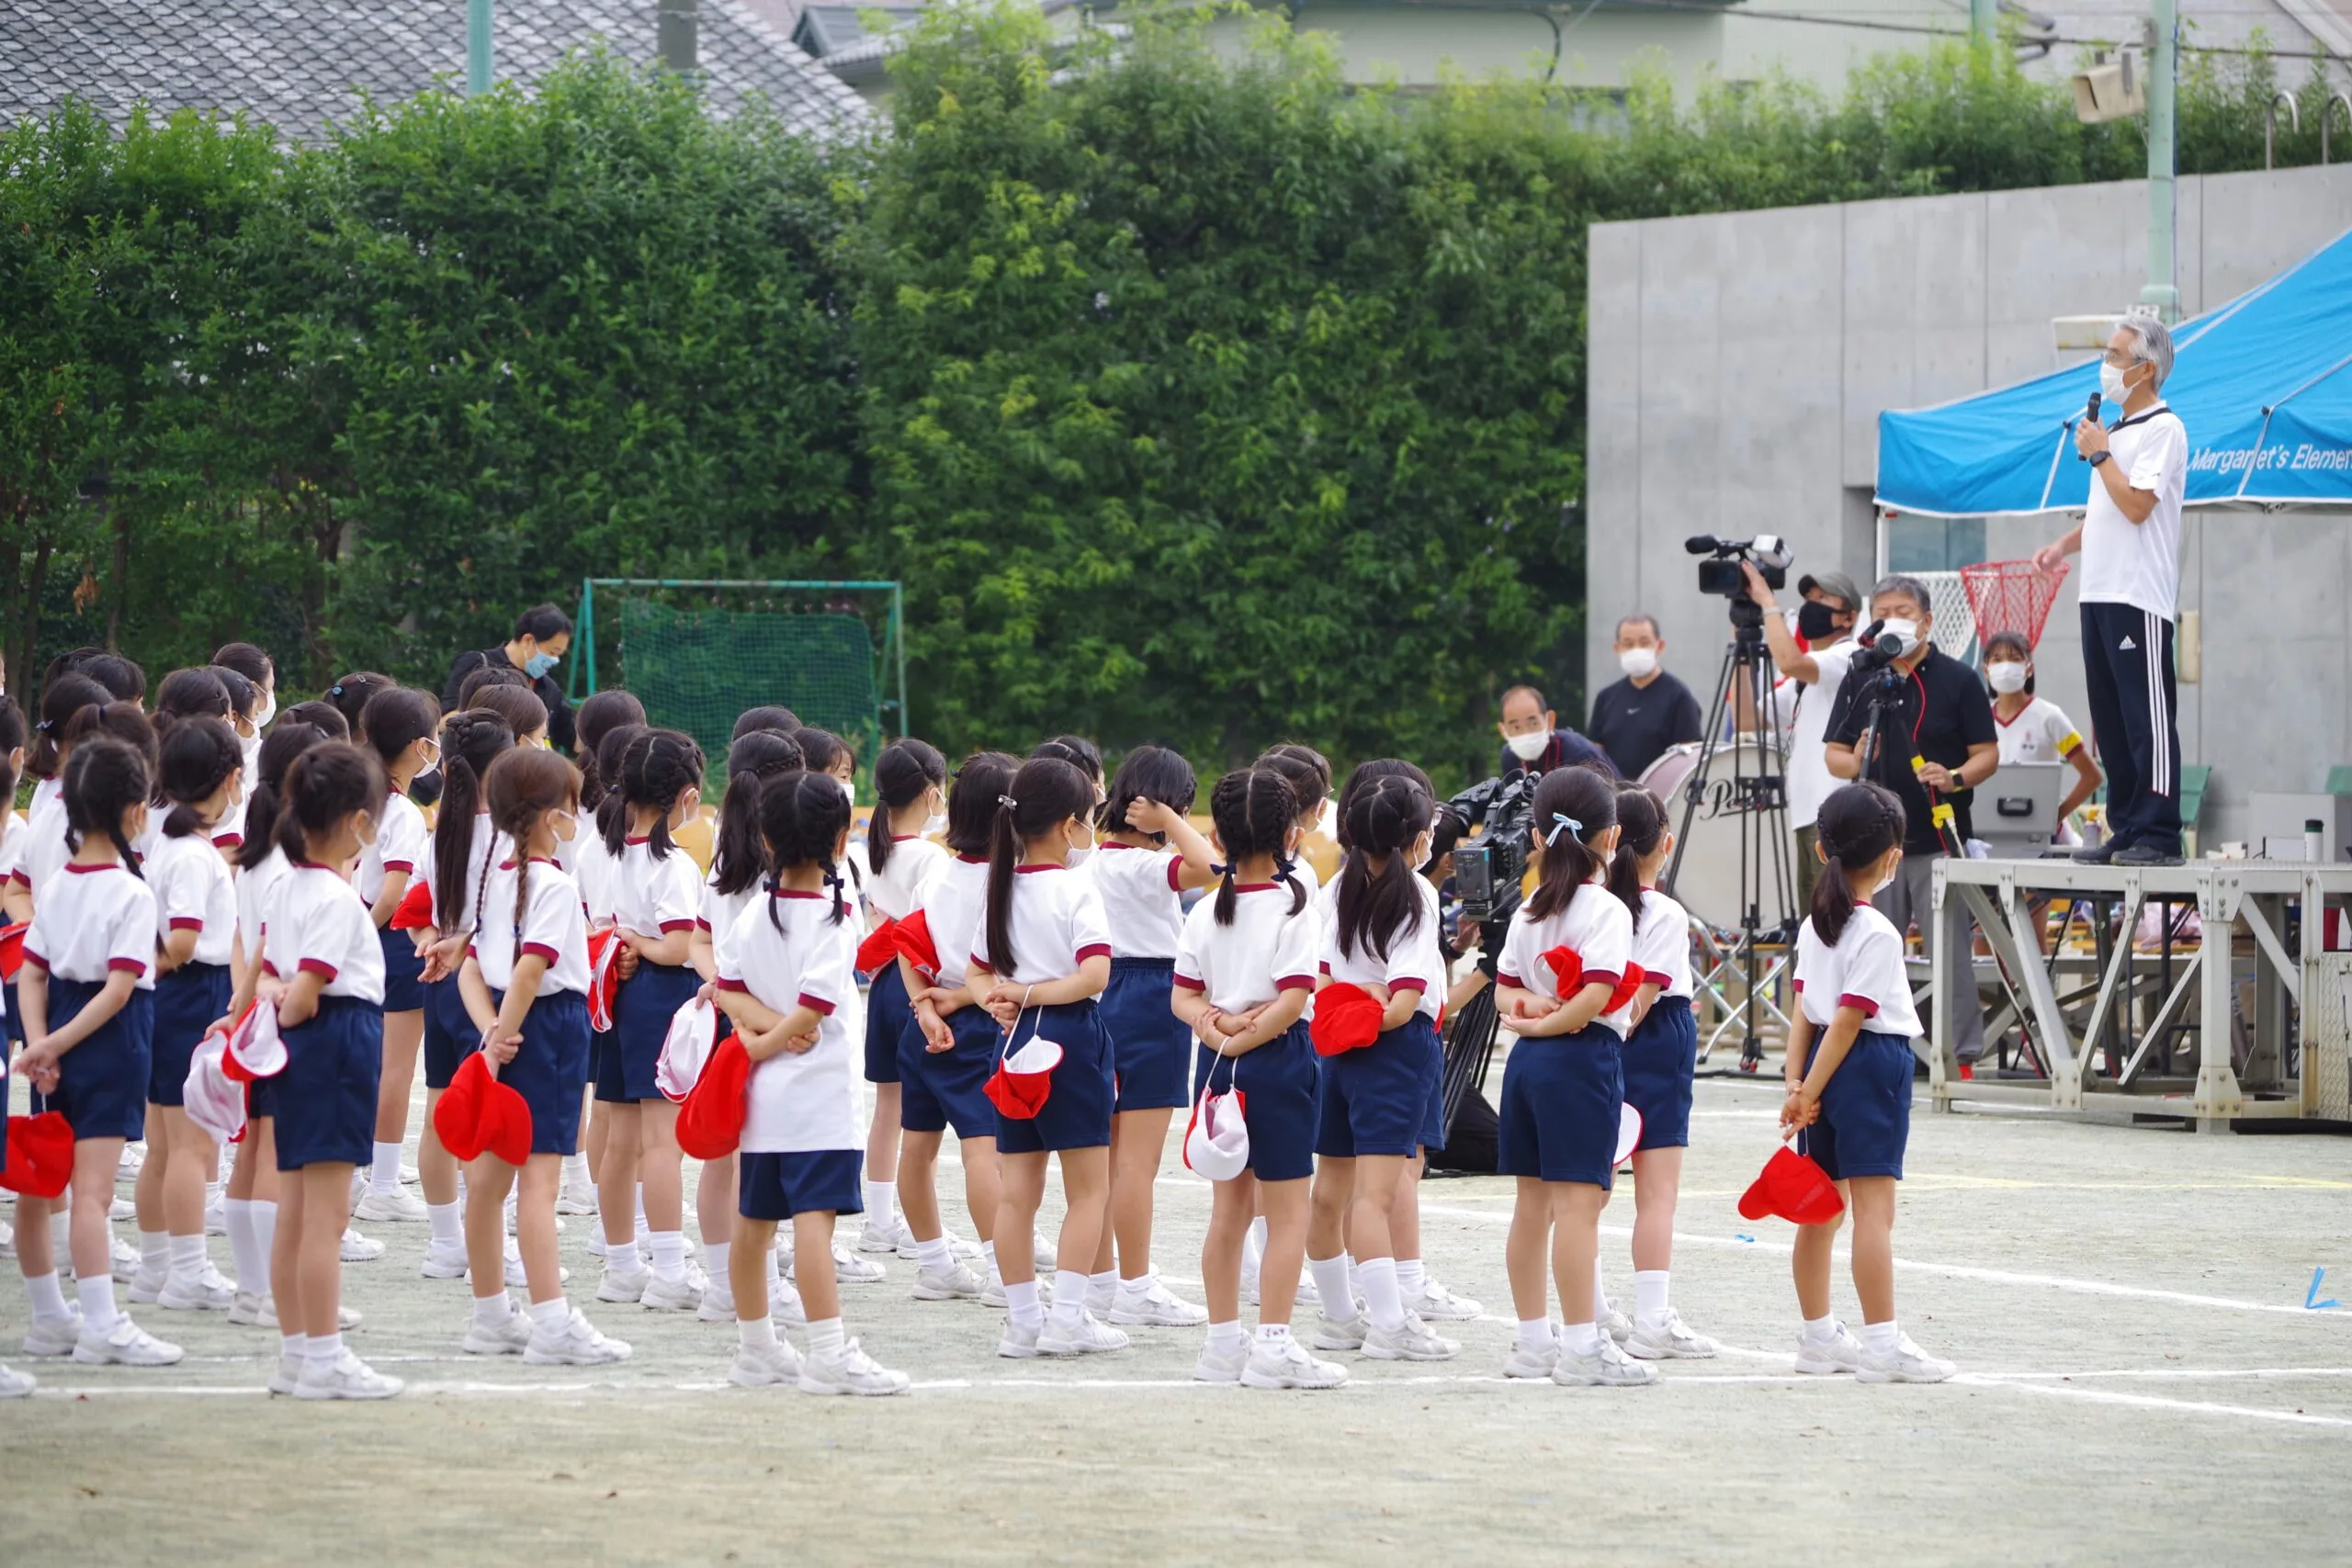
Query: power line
1711, 8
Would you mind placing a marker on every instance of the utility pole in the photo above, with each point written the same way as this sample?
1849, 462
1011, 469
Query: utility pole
478, 47
677, 35
2163, 292
1981, 22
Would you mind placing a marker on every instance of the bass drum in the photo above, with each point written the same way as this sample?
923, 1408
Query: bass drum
1704, 877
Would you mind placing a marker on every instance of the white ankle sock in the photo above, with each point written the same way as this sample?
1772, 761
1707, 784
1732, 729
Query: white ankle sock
384, 1172
188, 1259
154, 1252
1599, 1296
1276, 1335
575, 1170
1226, 1336
1649, 1294
1535, 1334
935, 1257
881, 1207
293, 1346
322, 1349
1106, 1281
988, 1251
1582, 1338
551, 1315
449, 1222
244, 1251
755, 1333
99, 1316
1020, 1305
1412, 1278
1387, 1302
1069, 1296
669, 1254
1823, 1330
621, 1257
1331, 1285
47, 1296
266, 1240
714, 1258
826, 1338
1881, 1339
493, 1312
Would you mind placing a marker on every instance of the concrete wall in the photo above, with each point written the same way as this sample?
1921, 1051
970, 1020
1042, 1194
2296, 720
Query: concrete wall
1738, 365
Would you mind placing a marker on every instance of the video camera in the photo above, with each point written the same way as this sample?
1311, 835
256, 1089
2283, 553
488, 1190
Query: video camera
1721, 575
1873, 651
1488, 869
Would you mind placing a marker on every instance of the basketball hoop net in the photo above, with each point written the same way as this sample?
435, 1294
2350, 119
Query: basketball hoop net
2010, 596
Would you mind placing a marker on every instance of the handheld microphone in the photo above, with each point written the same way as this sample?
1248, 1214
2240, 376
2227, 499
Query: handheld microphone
2091, 412
1870, 633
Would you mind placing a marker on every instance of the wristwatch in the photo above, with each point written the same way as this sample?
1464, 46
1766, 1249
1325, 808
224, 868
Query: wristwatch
2100, 456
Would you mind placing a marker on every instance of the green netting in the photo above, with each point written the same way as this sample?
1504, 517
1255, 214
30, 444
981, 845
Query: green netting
696, 669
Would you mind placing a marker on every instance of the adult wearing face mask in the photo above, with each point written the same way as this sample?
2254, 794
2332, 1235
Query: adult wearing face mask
1812, 654
542, 637
1638, 717
1936, 742
1533, 741
2130, 541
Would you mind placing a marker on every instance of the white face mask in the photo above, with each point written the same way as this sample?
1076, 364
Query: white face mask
2005, 677
1901, 637
252, 750
848, 794
1527, 747
2111, 387
935, 824
268, 712
1637, 662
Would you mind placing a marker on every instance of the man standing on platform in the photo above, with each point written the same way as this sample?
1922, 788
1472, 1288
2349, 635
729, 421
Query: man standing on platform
2130, 541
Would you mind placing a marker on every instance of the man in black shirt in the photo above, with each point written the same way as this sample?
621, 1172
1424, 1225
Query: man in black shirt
1637, 718
1936, 744
1533, 741
542, 637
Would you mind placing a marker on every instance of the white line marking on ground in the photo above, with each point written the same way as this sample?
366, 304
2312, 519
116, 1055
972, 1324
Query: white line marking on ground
2150, 1401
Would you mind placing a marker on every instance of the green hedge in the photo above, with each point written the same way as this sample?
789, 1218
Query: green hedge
1194, 398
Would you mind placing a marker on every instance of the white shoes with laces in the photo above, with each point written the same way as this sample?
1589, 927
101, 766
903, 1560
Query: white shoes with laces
851, 1371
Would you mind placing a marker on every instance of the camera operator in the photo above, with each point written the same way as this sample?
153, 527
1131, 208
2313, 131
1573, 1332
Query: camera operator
1815, 655
1936, 742
1533, 742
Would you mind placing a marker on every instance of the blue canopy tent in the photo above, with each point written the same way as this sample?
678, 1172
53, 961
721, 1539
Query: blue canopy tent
2264, 385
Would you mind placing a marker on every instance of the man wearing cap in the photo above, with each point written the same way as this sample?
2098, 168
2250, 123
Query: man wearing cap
1812, 650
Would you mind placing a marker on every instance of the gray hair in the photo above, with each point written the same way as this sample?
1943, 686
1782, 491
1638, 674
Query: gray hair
2151, 344
1909, 587
1641, 618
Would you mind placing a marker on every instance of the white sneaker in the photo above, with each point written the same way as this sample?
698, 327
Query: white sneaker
1092, 1336
1221, 1363
852, 1270
126, 1345
1438, 1304
1155, 1307
409, 1176
122, 1209
956, 1283
1101, 1299
1841, 1352
962, 1248
126, 1261
578, 1197
624, 1286
134, 1159
1413, 1342
851, 1371
718, 1305
509, 1338
1524, 1363
251, 1310
683, 1293
1291, 1368
1608, 1367
1669, 1339
992, 1295
287, 1374
443, 1262
1617, 1325
785, 1304
54, 1336
576, 1344
596, 1248
8, 1239
882, 1237
357, 1248
1341, 1334
1017, 1343
399, 1206
1906, 1363
347, 1318
146, 1284
766, 1367
346, 1377
15, 1385
1308, 1296
207, 1292
519, 1277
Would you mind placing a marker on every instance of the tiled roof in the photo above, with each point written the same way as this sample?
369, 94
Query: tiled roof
300, 64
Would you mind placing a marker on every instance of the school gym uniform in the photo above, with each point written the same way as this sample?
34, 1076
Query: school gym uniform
193, 893
1056, 925
1661, 1056
949, 1088
550, 1067
1562, 1093
402, 844
803, 1146
652, 898
12, 854
94, 920
450, 1033
325, 1099
1866, 1105
1382, 1099
1141, 890
896, 892
1265, 951
46, 850
591, 865
2040, 733
254, 888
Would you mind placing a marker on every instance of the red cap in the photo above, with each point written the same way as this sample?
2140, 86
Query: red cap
12, 949
416, 911
1793, 1188
879, 948
41, 1155
710, 1123
1023, 1081
1346, 1019
1568, 969
916, 946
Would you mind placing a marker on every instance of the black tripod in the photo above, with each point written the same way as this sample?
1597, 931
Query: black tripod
1756, 794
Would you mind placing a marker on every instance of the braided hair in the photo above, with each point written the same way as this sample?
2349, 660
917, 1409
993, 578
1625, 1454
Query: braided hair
103, 779
1254, 809
657, 767
1858, 824
1573, 807
523, 784
1045, 793
1641, 815
738, 853
1386, 813
906, 768
1305, 771
802, 817
472, 739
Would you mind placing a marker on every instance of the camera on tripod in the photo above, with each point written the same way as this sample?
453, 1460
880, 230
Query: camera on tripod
1875, 651
1721, 575
1488, 869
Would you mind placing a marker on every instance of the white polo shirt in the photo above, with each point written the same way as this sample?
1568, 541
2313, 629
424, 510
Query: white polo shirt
1662, 943
1265, 951
2040, 733
2138, 563
552, 928
193, 892
254, 888
805, 1101
1057, 925
91, 920
1142, 897
653, 897
898, 887
1596, 927
954, 907
1864, 971
485, 847
315, 921
401, 844
1415, 962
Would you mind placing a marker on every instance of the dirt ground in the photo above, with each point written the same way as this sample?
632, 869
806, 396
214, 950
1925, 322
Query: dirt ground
2143, 1380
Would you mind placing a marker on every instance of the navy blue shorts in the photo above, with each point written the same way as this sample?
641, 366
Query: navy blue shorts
649, 1000
1661, 1057
1560, 1107
326, 1097
16, 1015
189, 1000
948, 1089
1865, 1109
1433, 1114
1150, 1047
778, 1186
450, 1033
1281, 1084
604, 1064
403, 971
1077, 1112
102, 1082
888, 1021
1376, 1100
550, 1069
